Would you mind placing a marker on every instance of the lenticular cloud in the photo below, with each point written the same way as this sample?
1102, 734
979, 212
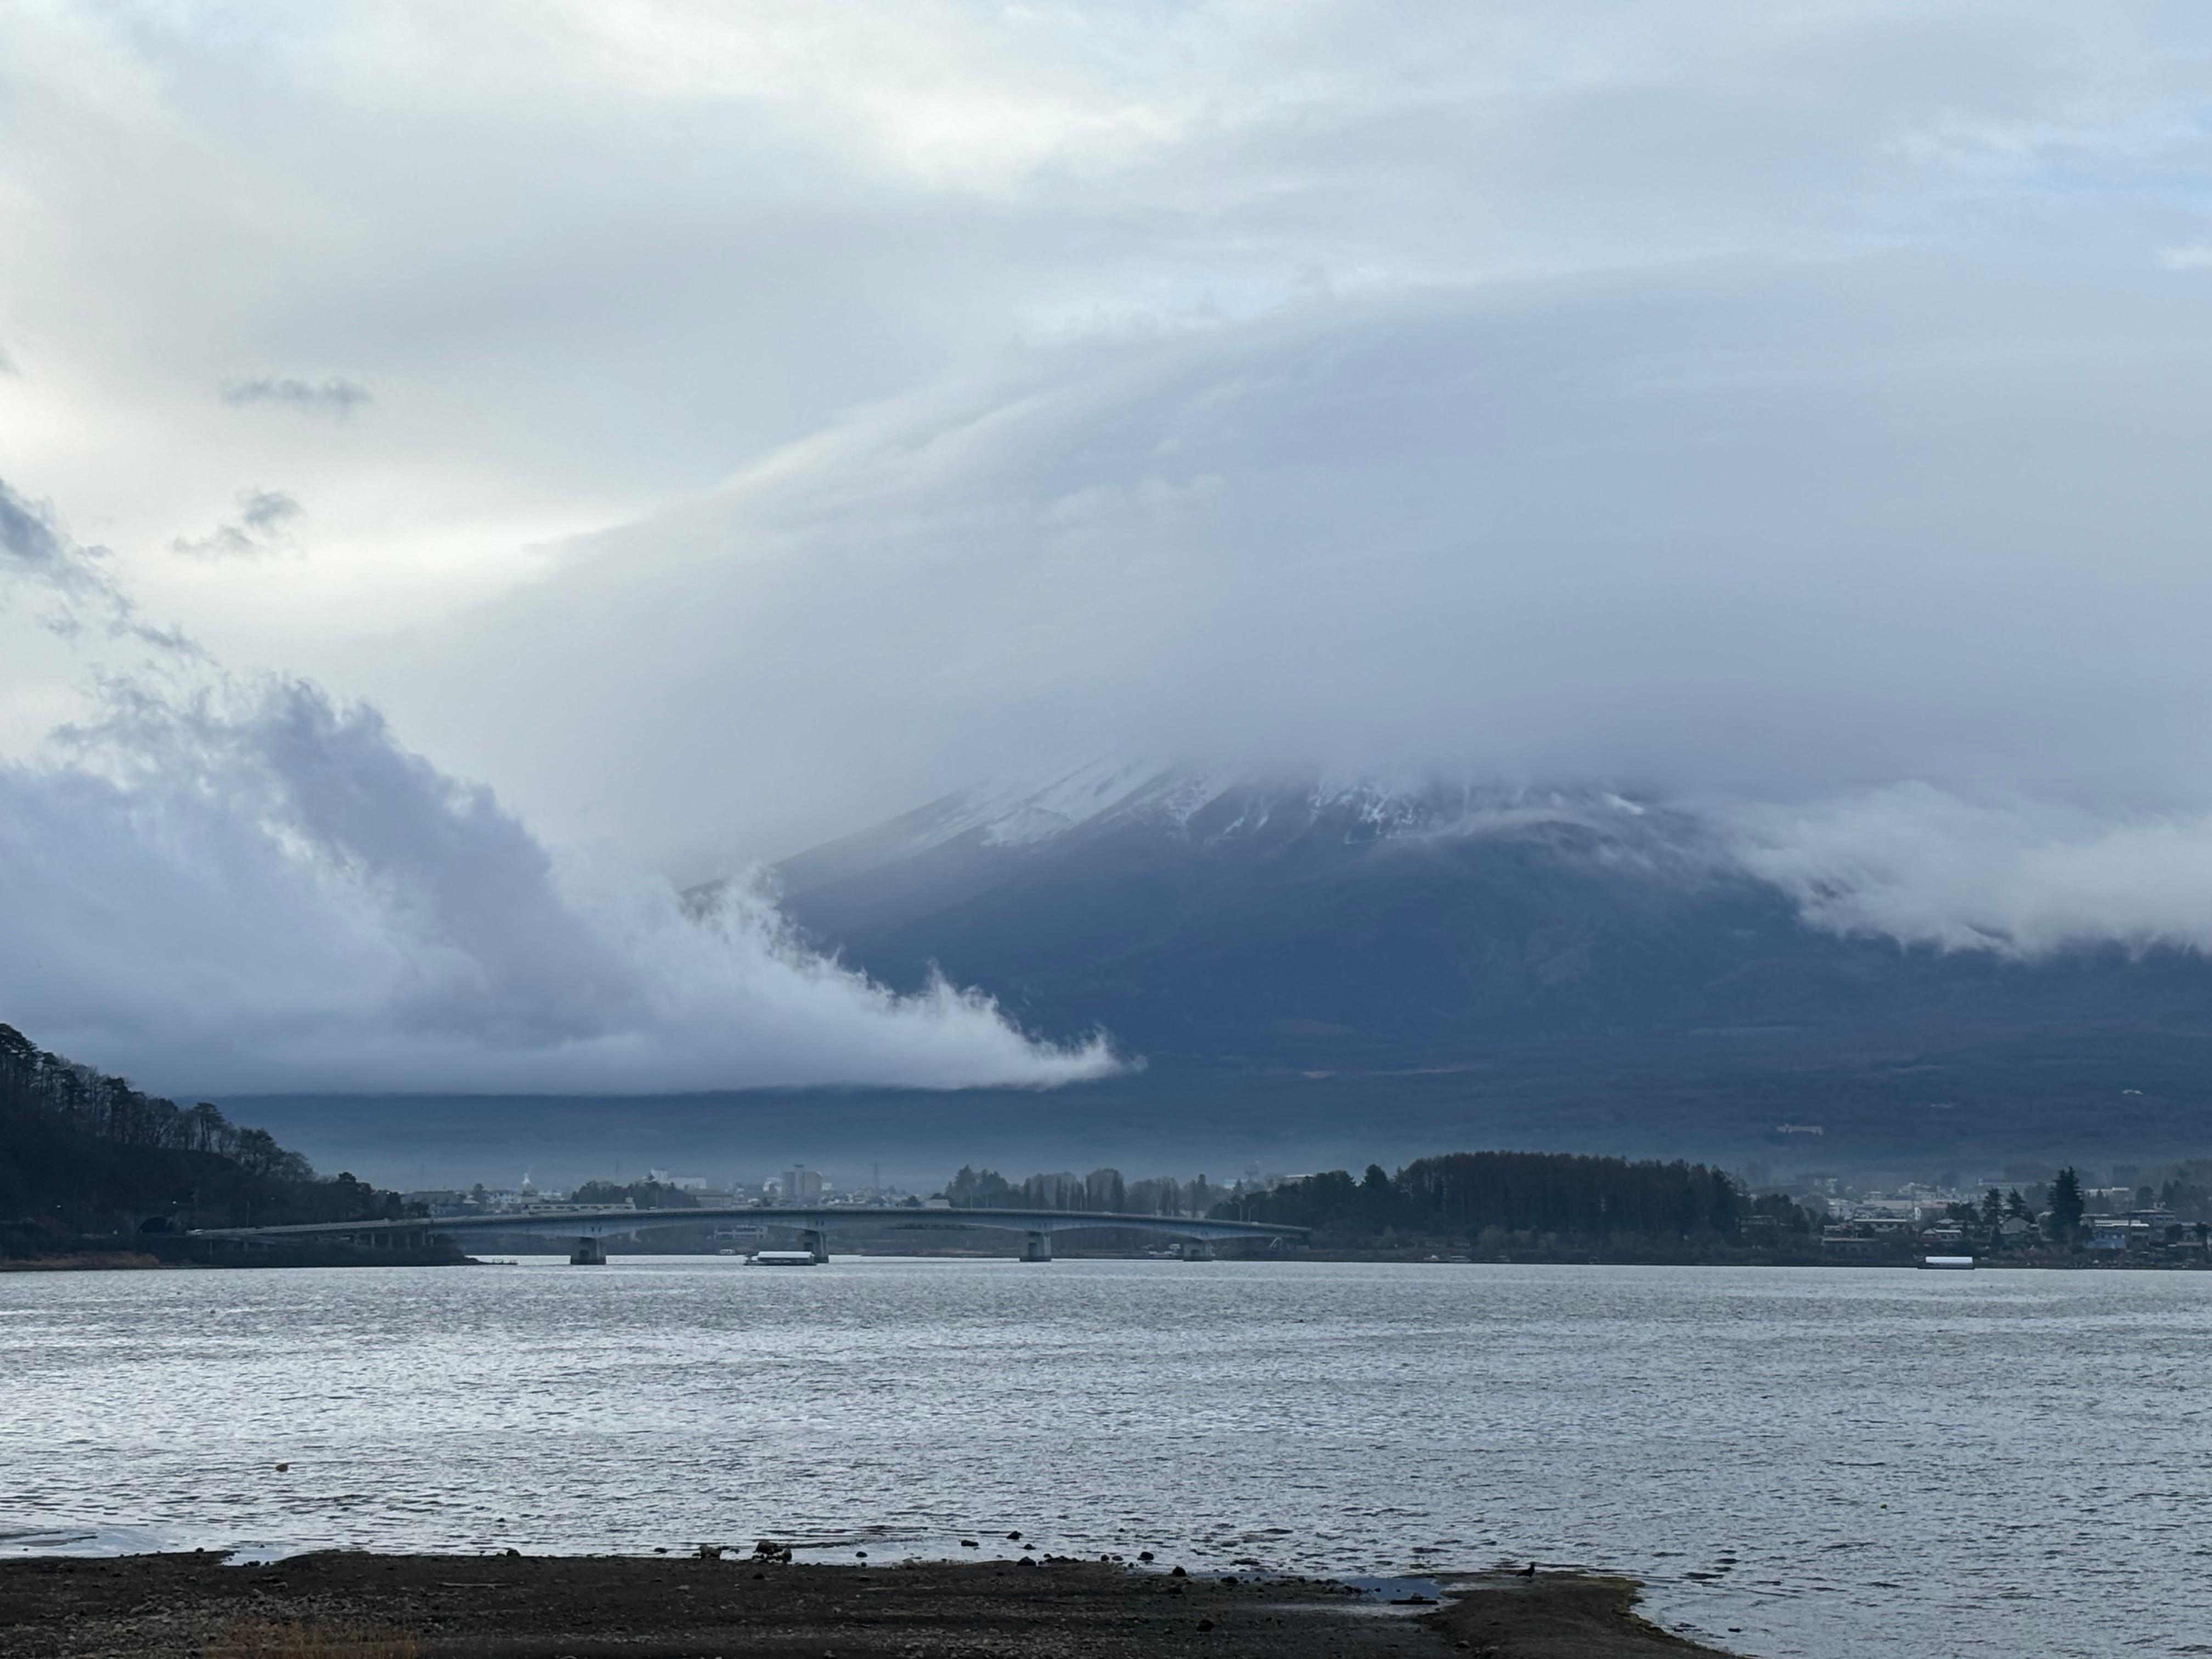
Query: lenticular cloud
239, 890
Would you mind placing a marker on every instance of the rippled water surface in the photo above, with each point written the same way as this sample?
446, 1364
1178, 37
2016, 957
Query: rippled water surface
1813, 1463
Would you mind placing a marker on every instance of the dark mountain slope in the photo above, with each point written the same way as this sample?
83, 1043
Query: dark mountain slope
1299, 926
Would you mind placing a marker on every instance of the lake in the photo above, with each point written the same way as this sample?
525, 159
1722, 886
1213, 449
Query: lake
1799, 1462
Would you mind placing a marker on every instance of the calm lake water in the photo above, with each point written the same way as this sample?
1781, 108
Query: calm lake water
1799, 1462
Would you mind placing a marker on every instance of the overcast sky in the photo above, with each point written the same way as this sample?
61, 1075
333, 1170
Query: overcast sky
716, 428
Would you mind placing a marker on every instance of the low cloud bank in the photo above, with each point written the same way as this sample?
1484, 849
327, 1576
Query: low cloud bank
232, 887
1924, 867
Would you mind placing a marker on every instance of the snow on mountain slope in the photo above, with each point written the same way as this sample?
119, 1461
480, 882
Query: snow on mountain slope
1115, 794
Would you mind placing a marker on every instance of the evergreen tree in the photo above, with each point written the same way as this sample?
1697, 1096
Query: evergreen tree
2066, 1205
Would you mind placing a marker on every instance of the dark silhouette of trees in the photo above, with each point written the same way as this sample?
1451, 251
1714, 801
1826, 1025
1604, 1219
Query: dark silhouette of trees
1468, 1193
2066, 1203
1101, 1191
980, 1189
82, 1152
1786, 1215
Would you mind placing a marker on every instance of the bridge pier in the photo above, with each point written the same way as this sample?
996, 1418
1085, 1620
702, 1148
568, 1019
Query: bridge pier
588, 1253
816, 1243
1037, 1247
1198, 1249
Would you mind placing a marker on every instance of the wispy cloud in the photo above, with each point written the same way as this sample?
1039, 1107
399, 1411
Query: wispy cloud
336, 396
86, 598
263, 526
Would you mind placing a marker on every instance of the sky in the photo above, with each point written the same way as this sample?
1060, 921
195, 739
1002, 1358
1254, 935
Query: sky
672, 434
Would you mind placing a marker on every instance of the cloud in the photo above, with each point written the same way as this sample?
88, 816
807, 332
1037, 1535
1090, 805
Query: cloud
85, 598
337, 396
1766, 536
263, 526
2021, 878
29, 543
1767, 405
237, 885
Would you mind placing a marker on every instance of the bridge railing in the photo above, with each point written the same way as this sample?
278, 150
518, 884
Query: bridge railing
814, 1223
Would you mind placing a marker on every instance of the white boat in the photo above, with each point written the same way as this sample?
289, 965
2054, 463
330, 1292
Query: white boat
780, 1259
1955, 1263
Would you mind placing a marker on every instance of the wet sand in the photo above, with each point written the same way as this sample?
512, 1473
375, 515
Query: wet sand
356, 1606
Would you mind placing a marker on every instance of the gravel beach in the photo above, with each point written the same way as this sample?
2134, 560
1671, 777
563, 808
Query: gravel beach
355, 1606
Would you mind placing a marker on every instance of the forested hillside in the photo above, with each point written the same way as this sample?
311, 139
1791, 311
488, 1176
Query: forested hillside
1549, 1201
85, 1154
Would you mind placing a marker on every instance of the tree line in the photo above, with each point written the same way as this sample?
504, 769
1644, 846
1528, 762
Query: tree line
81, 1151
1101, 1191
109, 1108
1558, 1195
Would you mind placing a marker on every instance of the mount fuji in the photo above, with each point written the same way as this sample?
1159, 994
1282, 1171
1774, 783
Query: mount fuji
1237, 919
1308, 974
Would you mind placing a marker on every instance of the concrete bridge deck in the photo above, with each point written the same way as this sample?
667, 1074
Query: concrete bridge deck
812, 1223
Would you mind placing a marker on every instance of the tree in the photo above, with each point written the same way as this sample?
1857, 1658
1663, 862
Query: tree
2016, 1207
979, 1189
258, 1151
1784, 1211
2066, 1205
1992, 1209
210, 1130
1378, 1199
1723, 1210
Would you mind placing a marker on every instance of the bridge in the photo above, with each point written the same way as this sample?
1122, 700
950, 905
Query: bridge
588, 1229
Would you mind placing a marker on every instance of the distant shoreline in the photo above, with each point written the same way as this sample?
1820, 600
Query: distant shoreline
128, 1261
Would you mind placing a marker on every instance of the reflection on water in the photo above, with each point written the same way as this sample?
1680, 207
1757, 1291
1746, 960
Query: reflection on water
1828, 1464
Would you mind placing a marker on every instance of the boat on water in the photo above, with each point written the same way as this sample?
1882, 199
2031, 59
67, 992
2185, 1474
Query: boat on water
780, 1259
1954, 1263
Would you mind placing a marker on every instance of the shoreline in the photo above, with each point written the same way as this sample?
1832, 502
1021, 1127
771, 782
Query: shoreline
361, 1606
133, 1261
